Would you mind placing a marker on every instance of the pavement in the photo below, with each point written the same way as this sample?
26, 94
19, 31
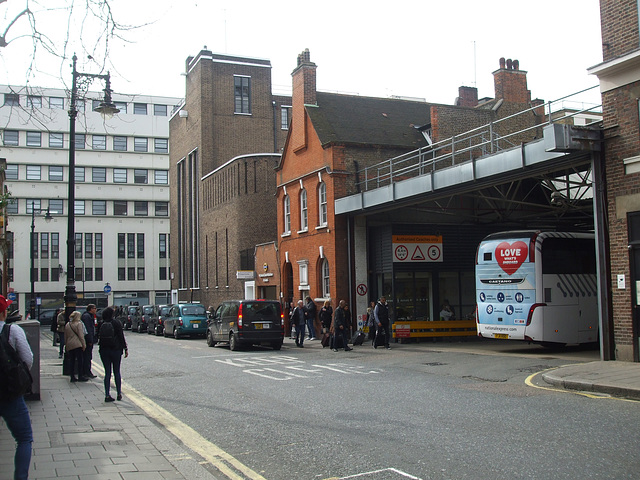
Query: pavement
79, 436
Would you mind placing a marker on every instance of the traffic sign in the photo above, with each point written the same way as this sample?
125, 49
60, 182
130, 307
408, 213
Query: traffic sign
12, 296
107, 289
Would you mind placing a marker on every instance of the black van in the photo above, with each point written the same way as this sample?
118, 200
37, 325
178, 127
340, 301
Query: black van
247, 322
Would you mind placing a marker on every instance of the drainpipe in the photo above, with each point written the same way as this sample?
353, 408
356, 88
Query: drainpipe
275, 127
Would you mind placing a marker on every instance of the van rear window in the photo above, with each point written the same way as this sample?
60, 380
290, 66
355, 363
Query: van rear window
193, 310
259, 311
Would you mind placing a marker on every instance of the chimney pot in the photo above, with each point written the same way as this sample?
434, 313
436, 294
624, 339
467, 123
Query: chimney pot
516, 65
502, 62
509, 64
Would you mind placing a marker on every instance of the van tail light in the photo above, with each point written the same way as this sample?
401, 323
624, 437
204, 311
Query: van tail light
282, 319
240, 316
180, 321
159, 320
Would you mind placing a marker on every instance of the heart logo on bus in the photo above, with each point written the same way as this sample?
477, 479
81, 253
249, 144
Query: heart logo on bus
511, 256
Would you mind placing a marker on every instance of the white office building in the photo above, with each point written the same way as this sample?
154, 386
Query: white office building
121, 196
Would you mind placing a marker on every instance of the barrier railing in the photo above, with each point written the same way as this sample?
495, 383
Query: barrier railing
440, 328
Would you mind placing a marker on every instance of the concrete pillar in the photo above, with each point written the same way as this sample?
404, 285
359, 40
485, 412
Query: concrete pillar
360, 276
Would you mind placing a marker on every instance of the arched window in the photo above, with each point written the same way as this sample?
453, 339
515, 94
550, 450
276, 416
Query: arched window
326, 290
322, 202
287, 215
304, 218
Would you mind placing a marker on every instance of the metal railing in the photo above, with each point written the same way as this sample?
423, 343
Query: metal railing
475, 143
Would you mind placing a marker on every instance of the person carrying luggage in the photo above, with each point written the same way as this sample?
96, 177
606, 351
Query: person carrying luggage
381, 314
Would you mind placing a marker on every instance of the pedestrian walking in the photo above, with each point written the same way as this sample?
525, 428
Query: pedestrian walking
381, 313
60, 324
326, 316
371, 321
89, 320
14, 410
311, 312
111, 344
300, 321
75, 344
292, 307
340, 327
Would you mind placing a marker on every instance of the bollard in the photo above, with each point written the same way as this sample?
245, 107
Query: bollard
32, 329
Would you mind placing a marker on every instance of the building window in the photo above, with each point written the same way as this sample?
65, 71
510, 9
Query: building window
120, 144
119, 175
131, 273
140, 144
287, 215
88, 274
33, 203
121, 245
56, 206
140, 176
78, 247
247, 259
78, 174
140, 245
99, 274
140, 273
121, 274
98, 251
80, 105
140, 209
56, 140
44, 274
285, 117
120, 208
162, 245
326, 280
98, 174
322, 201
56, 102
162, 209
55, 173
122, 106
95, 104
242, 89
131, 245
161, 177
139, 108
163, 273
160, 110
99, 207
55, 245
12, 99
304, 219
303, 271
34, 139
88, 246
12, 206
55, 274
33, 172
78, 207
34, 101
44, 245
11, 137
11, 173
99, 142
81, 140
161, 145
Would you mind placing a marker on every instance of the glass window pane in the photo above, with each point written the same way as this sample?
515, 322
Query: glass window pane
162, 209
55, 173
56, 102
161, 145
99, 174
11, 173
34, 101
120, 143
11, 137
120, 207
11, 99
122, 106
140, 176
33, 172
78, 174
140, 209
139, 108
34, 139
56, 140
140, 144
161, 177
78, 207
99, 142
81, 140
56, 206
99, 207
160, 110
119, 175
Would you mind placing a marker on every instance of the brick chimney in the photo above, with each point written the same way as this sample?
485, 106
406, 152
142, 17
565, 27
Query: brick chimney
467, 97
304, 93
511, 83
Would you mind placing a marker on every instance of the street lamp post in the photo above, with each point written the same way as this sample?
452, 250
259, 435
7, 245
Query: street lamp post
106, 108
32, 244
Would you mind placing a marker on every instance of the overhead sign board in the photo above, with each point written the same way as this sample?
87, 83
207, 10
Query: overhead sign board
417, 248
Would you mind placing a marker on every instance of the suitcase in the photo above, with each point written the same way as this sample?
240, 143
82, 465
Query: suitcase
326, 340
358, 338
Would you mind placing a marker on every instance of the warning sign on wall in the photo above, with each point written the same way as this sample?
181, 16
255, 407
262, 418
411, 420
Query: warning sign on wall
417, 248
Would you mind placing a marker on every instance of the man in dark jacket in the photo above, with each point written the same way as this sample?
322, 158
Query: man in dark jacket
300, 320
88, 318
311, 311
381, 314
340, 327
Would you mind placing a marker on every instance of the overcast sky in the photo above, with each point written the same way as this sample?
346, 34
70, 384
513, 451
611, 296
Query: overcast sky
424, 49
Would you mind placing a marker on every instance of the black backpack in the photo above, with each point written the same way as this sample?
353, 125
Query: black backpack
107, 335
15, 376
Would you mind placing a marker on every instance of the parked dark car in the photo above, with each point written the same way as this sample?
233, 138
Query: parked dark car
140, 321
46, 316
156, 323
132, 311
247, 322
186, 319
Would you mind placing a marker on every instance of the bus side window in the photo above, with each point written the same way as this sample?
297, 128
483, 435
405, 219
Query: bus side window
487, 256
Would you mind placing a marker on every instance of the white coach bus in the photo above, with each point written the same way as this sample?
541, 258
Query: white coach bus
538, 287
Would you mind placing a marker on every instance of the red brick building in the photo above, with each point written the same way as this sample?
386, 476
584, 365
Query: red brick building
619, 76
333, 140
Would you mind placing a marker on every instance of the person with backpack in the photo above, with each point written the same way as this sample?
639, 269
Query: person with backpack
75, 344
111, 343
13, 409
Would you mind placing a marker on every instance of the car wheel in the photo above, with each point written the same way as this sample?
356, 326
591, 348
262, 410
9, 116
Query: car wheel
175, 333
164, 333
159, 331
276, 346
150, 330
234, 345
210, 341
